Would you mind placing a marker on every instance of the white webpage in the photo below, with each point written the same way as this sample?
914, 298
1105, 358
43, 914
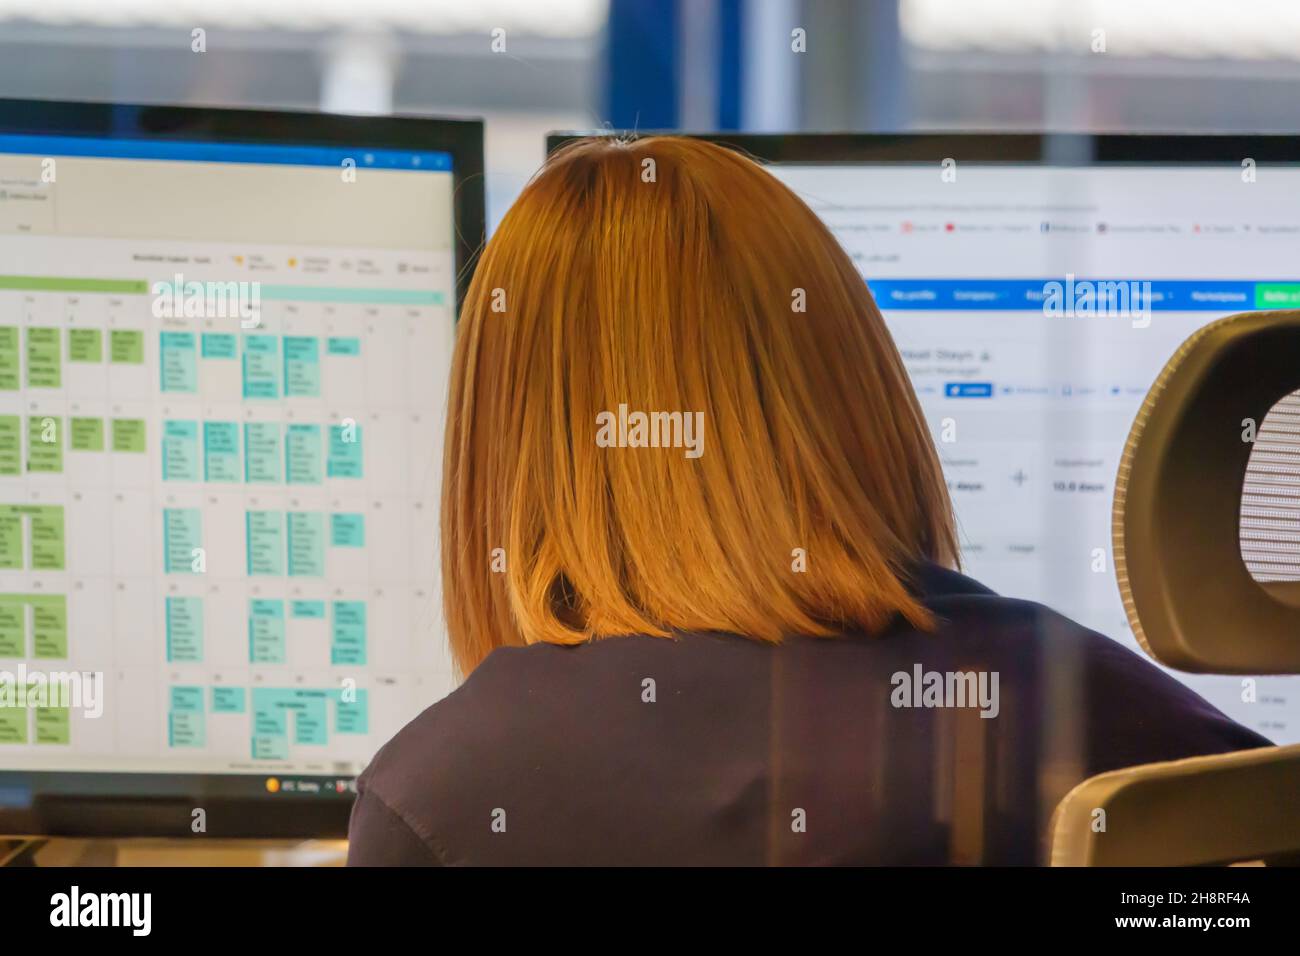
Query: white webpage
1030, 410
222, 389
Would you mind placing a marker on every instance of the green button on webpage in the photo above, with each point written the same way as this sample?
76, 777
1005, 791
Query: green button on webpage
1277, 295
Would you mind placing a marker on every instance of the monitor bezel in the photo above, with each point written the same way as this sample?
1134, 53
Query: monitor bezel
986, 148
109, 804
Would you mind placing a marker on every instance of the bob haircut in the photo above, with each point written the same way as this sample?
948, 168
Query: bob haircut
669, 275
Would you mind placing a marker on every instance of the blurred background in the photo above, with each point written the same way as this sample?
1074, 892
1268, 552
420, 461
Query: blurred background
530, 66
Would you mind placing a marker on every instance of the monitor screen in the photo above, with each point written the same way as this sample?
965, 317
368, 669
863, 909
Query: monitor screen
223, 370
1034, 303
1034, 306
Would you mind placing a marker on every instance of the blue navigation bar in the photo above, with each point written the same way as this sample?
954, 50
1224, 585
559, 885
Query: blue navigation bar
200, 152
1071, 297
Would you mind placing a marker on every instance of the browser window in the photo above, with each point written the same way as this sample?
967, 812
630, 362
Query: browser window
1034, 307
223, 370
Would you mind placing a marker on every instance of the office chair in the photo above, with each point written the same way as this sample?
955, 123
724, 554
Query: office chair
1209, 481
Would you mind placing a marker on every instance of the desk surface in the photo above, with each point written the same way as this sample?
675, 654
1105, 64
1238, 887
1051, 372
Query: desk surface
61, 851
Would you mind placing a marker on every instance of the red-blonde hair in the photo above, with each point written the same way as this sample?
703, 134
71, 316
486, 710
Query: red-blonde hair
672, 275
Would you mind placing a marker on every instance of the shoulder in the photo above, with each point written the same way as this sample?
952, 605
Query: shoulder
481, 733
1121, 693
1129, 709
498, 686
965, 608
514, 686
391, 822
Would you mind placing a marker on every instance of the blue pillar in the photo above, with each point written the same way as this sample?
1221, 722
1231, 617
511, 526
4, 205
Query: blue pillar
731, 63
642, 60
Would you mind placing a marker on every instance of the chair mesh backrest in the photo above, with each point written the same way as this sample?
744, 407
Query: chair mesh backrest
1270, 499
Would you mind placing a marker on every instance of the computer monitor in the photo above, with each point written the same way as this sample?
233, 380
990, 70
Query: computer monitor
1036, 285
225, 339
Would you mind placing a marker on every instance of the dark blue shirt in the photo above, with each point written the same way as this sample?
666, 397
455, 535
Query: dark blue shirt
716, 749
